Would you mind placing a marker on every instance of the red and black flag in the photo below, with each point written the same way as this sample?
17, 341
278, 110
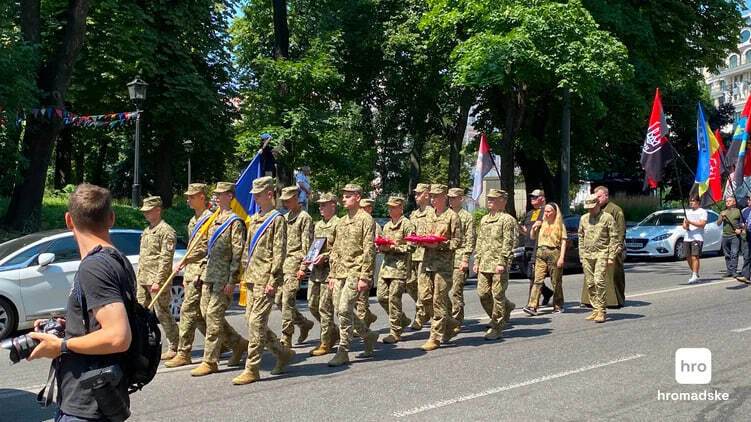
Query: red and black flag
656, 153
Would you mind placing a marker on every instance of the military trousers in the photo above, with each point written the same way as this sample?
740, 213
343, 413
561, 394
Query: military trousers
413, 290
257, 311
546, 263
290, 315
457, 294
491, 287
321, 305
362, 309
389, 292
345, 299
191, 319
595, 270
163, 313
435, 288
214, 303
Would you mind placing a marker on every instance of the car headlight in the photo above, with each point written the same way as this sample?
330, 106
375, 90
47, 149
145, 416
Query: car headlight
662, 237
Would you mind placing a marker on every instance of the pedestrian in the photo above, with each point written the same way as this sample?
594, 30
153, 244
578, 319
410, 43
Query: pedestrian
193, 263
496, 239
462, 255
597, 251
745, 247
437, 269
537, 200
155, 263
299, 239
220, 276
303, 186
419, 219
264, 255
363, 298
733, 234
394, 271
551, 237
320, 300
693, 223
352, 260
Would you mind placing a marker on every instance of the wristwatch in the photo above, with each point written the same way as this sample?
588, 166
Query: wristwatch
64, 347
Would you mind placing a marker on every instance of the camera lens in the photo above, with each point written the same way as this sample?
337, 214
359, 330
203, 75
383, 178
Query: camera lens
19, 347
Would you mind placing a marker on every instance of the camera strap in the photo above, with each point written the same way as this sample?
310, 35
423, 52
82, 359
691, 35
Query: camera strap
49, 392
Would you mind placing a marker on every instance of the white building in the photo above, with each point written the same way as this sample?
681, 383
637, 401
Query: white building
732, 82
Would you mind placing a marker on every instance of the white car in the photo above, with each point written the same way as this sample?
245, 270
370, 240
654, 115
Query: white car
37, 270
661, 234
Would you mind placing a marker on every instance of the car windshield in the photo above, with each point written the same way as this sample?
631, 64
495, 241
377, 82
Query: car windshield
663, 219
11, 246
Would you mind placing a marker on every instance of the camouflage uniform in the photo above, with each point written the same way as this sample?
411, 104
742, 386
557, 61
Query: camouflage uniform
597, 245
462, 255
320, 301
155, 266
615, 277
419, 218
362, 307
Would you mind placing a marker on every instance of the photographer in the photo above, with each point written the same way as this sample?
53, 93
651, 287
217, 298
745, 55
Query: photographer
95, 337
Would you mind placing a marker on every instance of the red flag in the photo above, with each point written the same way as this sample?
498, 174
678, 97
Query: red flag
483, 165
656, 153
715, 170
718, 136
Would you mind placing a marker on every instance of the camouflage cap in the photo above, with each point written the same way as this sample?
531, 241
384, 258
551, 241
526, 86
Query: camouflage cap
437, 189
151, 202
222, 187
497, 193
327, 197
422, 187
289, 192
263, 183
591, 201
352, 187
195, 188
367, 202
395, 201
456, 192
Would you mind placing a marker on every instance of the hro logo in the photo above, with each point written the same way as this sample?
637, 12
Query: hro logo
693, 366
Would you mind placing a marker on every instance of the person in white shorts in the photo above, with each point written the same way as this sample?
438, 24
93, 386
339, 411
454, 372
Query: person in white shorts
693, 223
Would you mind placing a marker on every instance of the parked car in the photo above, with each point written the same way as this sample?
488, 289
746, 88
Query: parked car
520, 264
37, 270
661, 234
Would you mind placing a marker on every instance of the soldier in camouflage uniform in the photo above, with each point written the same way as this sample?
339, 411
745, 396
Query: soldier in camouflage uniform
265, 254
299, 239
392, 277
193, 263
597, 249
419, 218
154, 268
222, 272
436, 272
462, 255
320, 301
496, 239
363, 305
352, 260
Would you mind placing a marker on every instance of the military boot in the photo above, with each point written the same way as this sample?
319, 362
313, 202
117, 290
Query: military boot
370, 318
304, 331
169, 354
591, 316
248, 376
431, 344
321, 350
370, 341
282, 361
416, 325
493, 334
405, 322
205, 368
452, 329
601, 317
391, 339
510, 306
341, 358
237, 352
181, 359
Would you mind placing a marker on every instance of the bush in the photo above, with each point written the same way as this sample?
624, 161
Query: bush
637, 207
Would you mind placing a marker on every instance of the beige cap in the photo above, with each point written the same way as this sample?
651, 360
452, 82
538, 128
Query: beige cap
352, 187
395, 201
591, 201
222, 187
497, 193
289, 192
537, 192
151, 202
422, 187
263, 183
437, 189
367, 202
195, 188
327, 197
456, 192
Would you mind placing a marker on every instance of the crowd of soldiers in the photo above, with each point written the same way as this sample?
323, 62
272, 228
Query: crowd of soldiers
268, 253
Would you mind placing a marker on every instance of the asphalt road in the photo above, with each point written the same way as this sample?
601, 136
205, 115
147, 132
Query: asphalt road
550, 367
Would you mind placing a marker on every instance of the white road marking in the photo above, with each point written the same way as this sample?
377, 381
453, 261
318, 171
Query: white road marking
444, 403
740, 330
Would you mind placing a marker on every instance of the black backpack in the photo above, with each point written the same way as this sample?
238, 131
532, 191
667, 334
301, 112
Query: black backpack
141, 361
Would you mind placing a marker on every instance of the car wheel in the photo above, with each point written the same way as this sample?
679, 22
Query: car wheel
8, 318
178, 295
679, 252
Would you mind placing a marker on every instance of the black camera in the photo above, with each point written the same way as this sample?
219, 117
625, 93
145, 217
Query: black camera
21, 347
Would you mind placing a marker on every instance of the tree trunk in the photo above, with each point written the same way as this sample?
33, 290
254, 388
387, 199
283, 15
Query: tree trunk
537, 175
455, 137
164, 174
64, 159
415, 170
512, 104
97, 173
281, 30
53, 80
565, 150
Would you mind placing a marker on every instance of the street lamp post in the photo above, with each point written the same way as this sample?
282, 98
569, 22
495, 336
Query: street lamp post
137, 94
188, 144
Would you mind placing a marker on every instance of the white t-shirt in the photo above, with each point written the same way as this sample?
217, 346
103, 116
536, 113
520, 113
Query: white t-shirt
302, 181
695, 233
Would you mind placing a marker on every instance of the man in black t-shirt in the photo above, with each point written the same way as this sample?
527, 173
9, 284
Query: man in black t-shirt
95, 337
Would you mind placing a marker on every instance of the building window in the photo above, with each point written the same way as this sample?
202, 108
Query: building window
733, 61
745, 35
747, 56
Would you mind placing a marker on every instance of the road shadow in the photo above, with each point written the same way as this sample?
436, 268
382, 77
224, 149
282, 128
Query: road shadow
636, 303
20, 405
739, 286
617, 316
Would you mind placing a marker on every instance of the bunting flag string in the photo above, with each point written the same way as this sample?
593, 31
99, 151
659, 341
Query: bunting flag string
110, 121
